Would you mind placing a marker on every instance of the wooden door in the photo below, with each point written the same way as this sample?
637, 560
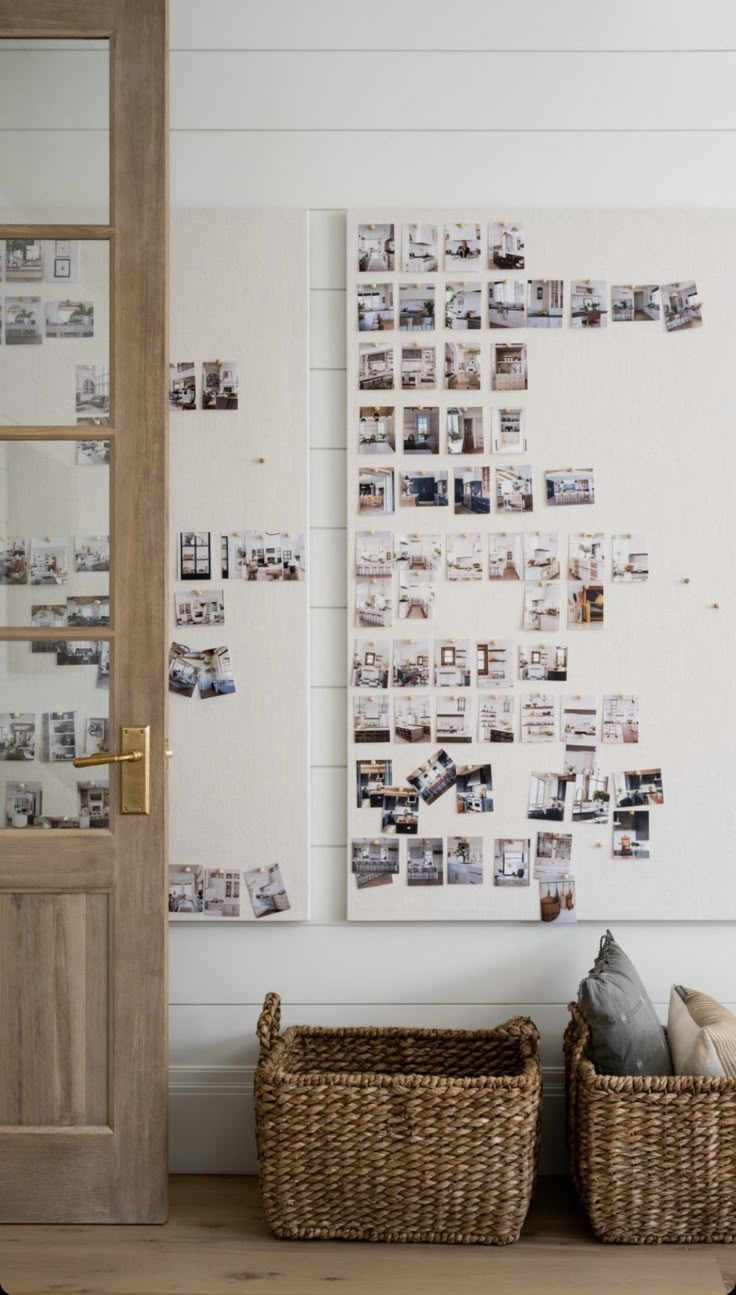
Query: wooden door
83, 915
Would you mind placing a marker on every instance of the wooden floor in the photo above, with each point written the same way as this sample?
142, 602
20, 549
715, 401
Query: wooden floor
216, 1241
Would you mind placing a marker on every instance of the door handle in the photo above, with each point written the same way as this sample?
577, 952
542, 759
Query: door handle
134, 774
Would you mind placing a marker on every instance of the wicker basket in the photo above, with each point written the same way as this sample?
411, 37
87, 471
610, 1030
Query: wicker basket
398, 1134
653, 1158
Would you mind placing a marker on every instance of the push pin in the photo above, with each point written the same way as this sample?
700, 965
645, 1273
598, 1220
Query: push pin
686, 580
716, 606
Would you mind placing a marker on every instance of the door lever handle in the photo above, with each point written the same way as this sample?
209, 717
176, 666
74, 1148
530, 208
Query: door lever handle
134, 755
105, 757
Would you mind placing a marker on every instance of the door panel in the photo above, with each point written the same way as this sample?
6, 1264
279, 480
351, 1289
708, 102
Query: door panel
83, 911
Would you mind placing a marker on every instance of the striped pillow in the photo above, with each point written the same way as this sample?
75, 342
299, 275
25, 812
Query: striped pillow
701, 1034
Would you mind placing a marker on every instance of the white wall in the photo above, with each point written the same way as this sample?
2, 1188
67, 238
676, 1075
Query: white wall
252, 126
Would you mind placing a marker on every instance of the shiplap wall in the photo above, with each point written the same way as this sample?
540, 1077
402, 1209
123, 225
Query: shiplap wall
328, 105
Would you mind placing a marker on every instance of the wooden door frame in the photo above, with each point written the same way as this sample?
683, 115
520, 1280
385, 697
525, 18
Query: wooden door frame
116, 1173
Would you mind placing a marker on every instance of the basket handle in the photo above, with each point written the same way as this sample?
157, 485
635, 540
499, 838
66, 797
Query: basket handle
527, 1032
269, 1023
577, 1035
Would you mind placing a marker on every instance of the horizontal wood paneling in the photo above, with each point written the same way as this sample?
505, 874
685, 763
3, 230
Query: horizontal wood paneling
327, 632
327, 502
327, 409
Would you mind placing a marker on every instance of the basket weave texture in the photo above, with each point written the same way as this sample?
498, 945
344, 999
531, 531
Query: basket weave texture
653, 1158
397, 1134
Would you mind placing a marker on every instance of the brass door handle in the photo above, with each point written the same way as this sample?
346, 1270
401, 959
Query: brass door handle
134, 775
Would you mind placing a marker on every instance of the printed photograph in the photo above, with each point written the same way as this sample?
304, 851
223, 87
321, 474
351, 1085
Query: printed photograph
412, 720
553, 857
474, 789
630, 555
376, 430
541, 556
23, 803
545, 302
465, 430
496, 719
682, 308
620, 718
417, 552
539, 717
375, 490
570, 486
91, 552
83, 654
372, 603
542, 608
493, 664
375, 861
371, 663
182, 386
454, 719
547, 661
60, 736
97, 735
49, 561
376, 248
632, 302
506, 303
93, 804
425, 861
233, 555
195, 555
88, 610
372, 776
13, 561
93, 454
591, 798
465, 556
509, 366
219, 384
17, 736
400, 813
547, 792
587, 557
434, 777
631, 834
216, 677
472, 490
506, 556
579, 759
462, 244
421, 430
423, 488
557, 901
92, 396
511, 861
588, 303
465, 860
264, 558
585, 606
186, 890
371, 720
46, 616
200, 607
23, 321
23, 260
416, 595
375, 367
412, 663
374, 555
375, 307
418, 367
221, 893
451, 663
505, 246
514, 489
267, 890
419, 249
509, 431
103, 667
579, 721
184, 670
416, 307
462, 366
638, 787
463, 307
70, 319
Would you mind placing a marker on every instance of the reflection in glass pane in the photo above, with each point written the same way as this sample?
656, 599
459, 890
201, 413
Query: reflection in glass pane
54, 534
53, 707
54, 332
54, 145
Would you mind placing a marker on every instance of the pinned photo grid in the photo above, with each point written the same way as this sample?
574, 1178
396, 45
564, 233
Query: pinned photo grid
506, 556
267, 890
425, 861
539, 663
371, 663
372, 777
465, 429
493, 664
416, 307
474, 789
454, 719
509, 431
377, 430
496, 719
374, 861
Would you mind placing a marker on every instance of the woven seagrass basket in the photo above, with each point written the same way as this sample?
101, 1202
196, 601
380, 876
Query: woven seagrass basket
653, 1158
397, 1134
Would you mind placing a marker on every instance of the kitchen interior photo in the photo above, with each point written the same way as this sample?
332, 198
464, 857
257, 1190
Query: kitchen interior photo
506, 303
631, 834
465, 556
591, 798
505, 556
474, 789
400, 811
182, 386
373, 603
585, 605
412, 720
496, 719
620, 719
539, 718
418, 367
374, 555
465, 430
416, 307
635, 302
541, 556
588, 303
509, 366
509, 431
571, 486
463, 306
376, 433
451, 663
424, 861
424, 489
376, 490
370, 719
630, 559
462, 366
587, 560
454, 719
421, 430
514, 491
545, 300
375, 367
547, 661
372, 776
638, 787
375, 307
376, 248
416, 595
506, 246
547, 793
376, 857
462, 243
465, 861
511, 861
418, 552
542, 607
371, 661
411, 663
472, 490
434, 777
493, 664
420, 249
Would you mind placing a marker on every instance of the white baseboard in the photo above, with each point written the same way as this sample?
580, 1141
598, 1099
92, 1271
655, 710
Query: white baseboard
211, 1128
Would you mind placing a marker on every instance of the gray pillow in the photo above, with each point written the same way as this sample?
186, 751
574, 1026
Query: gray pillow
626, 1037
